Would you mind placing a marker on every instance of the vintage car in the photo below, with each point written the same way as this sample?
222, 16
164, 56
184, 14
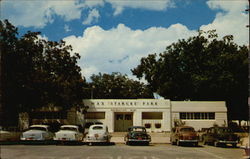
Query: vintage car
69, 133
220, 136
97, 134
184, 134
37, 132
5, 135
137, 134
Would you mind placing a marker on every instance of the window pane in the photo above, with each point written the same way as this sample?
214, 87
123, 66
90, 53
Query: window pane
151, 115
183, 116
196, 115
211, 115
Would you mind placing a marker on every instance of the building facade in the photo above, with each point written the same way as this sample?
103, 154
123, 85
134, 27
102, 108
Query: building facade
157, 115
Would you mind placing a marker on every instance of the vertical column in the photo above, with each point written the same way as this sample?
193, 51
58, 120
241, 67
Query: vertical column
137, 118
166, 120
109, 119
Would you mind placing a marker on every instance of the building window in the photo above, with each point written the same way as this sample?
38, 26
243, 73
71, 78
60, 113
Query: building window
95, 115
197, 115
147, 125
151, 115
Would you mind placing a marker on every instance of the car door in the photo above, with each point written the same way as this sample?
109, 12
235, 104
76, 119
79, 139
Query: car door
208, 136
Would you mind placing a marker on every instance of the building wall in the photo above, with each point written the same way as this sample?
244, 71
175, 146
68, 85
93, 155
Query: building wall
170, 112
218, 108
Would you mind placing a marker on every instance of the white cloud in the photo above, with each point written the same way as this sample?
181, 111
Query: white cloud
120, 49
120, 5
231, 20
92, 17
40, 13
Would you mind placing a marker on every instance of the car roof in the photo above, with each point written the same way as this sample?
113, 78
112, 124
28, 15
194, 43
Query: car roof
73, 126
44, 126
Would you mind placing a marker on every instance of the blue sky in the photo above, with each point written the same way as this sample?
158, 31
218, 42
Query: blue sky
113, 35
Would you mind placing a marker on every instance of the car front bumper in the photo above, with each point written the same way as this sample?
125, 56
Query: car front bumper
139, 140
227, 142
189, 141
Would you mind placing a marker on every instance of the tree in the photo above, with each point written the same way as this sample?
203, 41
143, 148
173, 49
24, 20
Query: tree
37, 73
117, 86
201, 68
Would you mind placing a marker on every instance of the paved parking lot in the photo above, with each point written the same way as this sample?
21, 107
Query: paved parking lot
118, 151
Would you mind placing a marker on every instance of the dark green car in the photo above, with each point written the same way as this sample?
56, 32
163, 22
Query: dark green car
137, 134
219, 136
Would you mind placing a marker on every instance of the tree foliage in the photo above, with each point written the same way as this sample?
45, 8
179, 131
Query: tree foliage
37, 72
117, 86
201, 68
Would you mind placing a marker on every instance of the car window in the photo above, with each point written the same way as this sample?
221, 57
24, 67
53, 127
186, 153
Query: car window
223, 130
97, 128
139, 129
38, 128
187, 129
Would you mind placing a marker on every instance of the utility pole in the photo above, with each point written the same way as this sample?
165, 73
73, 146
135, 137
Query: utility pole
248, 10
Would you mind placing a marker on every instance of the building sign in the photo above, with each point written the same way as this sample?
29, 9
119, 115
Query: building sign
122, 110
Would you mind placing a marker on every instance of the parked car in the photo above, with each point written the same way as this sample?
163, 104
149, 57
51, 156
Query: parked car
220, 136
137, 134
69, 133
5, 135
184, 134
88, 124
37, 132
97, 134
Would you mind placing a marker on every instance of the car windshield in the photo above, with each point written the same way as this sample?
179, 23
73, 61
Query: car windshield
138, 129
69, 128
38, 128
97, 128
224, 130
187, 129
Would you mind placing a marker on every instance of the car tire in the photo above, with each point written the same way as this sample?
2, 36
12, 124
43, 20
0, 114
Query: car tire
234, 145
90, 143
204, 142
216, 144
196, 144
178, 143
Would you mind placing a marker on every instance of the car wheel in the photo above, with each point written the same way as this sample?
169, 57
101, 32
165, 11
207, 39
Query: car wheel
234, 145
178, 143
216, 144
196, 144
90, 143
204, 142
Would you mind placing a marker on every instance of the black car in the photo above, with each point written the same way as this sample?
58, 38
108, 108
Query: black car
137, 134
220, 136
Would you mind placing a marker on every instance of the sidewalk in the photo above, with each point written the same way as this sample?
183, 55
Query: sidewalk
156, 138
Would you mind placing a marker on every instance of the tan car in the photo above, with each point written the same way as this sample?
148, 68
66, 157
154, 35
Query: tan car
184, 134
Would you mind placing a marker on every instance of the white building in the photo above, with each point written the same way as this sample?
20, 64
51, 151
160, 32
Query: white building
157, 115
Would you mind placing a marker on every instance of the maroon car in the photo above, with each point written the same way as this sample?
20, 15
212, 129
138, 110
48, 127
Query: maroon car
184, 134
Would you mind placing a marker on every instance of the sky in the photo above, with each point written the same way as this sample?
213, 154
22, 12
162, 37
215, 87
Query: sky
113, 35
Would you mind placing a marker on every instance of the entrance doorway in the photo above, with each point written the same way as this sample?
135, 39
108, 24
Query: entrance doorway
123, 121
